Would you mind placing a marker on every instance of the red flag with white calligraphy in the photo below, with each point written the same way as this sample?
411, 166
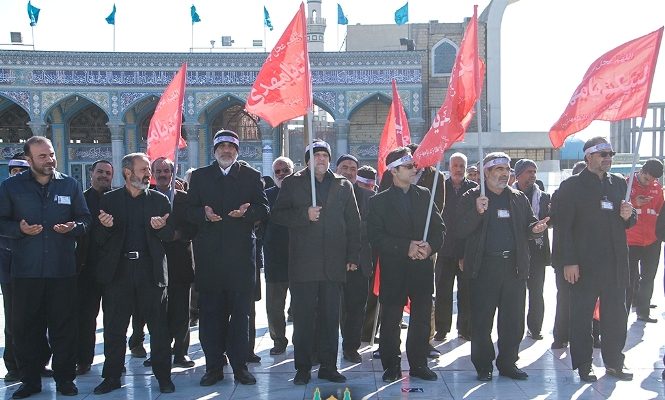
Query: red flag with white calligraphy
615, 87
395, 131
283, 88
166, 122
466, 83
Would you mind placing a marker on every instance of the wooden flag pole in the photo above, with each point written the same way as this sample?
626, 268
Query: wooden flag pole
636, 156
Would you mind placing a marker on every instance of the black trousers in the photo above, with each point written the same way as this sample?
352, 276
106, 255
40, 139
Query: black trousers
133, 284
370, 313
613, 317
417, 338
9, 355
40, 303
177, 312
354, 299
89, 298
224, 327
275, 304
315, 310
535, 284
446, 270
643, 264
562, 316
496, 287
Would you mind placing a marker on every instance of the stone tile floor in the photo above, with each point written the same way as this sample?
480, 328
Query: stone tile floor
550, 376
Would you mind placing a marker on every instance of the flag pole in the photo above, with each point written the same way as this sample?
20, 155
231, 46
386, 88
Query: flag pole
32, 28
114, 36
175, 167
636, 156
431, 200
265, 40
311, 153
191, 50
479, 115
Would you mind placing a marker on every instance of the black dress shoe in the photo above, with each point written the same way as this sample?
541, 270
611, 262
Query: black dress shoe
12, 376
513, 372
352, 355
619, 373
166, 385
646, 318
302, 377
184, 362
392, 374
559, 345
586, 373
277, 350
46, 372
148, 362
253, 358
376, 355
138, 351
331, 374
433, 353
440, 336
211, 377
423, 373
464, 336
485, 374
67, 388
245, 377
194, 321
26, 390
107, 386
534, 335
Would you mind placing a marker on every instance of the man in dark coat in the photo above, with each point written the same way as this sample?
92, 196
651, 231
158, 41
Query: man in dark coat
592, 219
134, 220
324, 243
87, 258
225, 199
356, 287
497, 227
41, 212
395, 226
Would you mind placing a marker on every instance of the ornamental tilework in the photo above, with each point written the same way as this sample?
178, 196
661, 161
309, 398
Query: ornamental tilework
89, 153
327, 98
128, 98
22, 98
51, 98
100, 98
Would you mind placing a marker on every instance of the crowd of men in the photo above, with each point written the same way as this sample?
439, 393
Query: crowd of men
330, 238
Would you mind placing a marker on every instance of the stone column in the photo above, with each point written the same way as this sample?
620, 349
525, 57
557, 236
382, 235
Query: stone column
192, 129
117, 129
416, 127
266, 133
38, 127
341, 127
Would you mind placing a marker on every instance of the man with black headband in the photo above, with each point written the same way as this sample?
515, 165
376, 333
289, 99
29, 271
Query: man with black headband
497, 227
324, 243
225, 199
592, 219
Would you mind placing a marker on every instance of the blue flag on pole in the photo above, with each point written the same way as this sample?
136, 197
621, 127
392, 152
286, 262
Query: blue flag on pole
111, 18
266, 18
402, 15
341, 18
33, 14
195, 15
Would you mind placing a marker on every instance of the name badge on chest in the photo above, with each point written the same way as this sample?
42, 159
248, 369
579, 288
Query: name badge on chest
64, 200
502, 213
606, 205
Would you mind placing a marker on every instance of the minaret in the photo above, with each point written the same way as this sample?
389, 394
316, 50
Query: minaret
316, 26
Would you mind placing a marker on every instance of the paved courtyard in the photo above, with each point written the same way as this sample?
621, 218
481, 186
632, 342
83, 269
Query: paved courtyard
550, 376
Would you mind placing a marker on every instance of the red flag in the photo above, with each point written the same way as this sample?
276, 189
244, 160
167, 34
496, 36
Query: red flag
615, 87
283, 88
166, 122
466, 83
395, 131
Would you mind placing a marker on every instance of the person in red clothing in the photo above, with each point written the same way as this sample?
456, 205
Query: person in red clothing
646, 195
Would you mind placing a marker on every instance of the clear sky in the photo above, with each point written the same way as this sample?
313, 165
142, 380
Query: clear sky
547, 45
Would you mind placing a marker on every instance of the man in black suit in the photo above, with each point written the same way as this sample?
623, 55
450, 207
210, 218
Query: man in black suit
395, 227
225, 199
134, 220
87, 258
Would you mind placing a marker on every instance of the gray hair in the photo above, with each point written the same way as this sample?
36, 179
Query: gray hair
283, 159
128, 160
458, 155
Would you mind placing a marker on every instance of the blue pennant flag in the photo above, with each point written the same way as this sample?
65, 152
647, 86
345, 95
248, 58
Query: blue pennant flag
402, 15
111, 18
195, 15
341, 18
33, 14
266, 18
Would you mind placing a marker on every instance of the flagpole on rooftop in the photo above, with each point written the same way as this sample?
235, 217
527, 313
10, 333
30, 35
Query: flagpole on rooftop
114, 37
32, 28
636, 156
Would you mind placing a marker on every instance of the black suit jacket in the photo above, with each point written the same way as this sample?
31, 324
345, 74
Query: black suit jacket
178, 252
362, 199
111, 239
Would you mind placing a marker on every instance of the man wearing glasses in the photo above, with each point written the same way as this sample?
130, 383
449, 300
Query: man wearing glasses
592, 220
395, 227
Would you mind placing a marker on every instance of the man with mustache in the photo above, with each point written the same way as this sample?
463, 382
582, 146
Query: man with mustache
225, 200
87, 257
134, 220
41, 212
591, 223
497, 227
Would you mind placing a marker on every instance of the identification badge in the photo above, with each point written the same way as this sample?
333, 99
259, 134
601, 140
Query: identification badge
606, 205
64, 200
502, 213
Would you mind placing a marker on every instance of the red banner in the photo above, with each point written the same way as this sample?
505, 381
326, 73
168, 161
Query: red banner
283, 88
466, 83
615, 87
395, 131
166, 122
